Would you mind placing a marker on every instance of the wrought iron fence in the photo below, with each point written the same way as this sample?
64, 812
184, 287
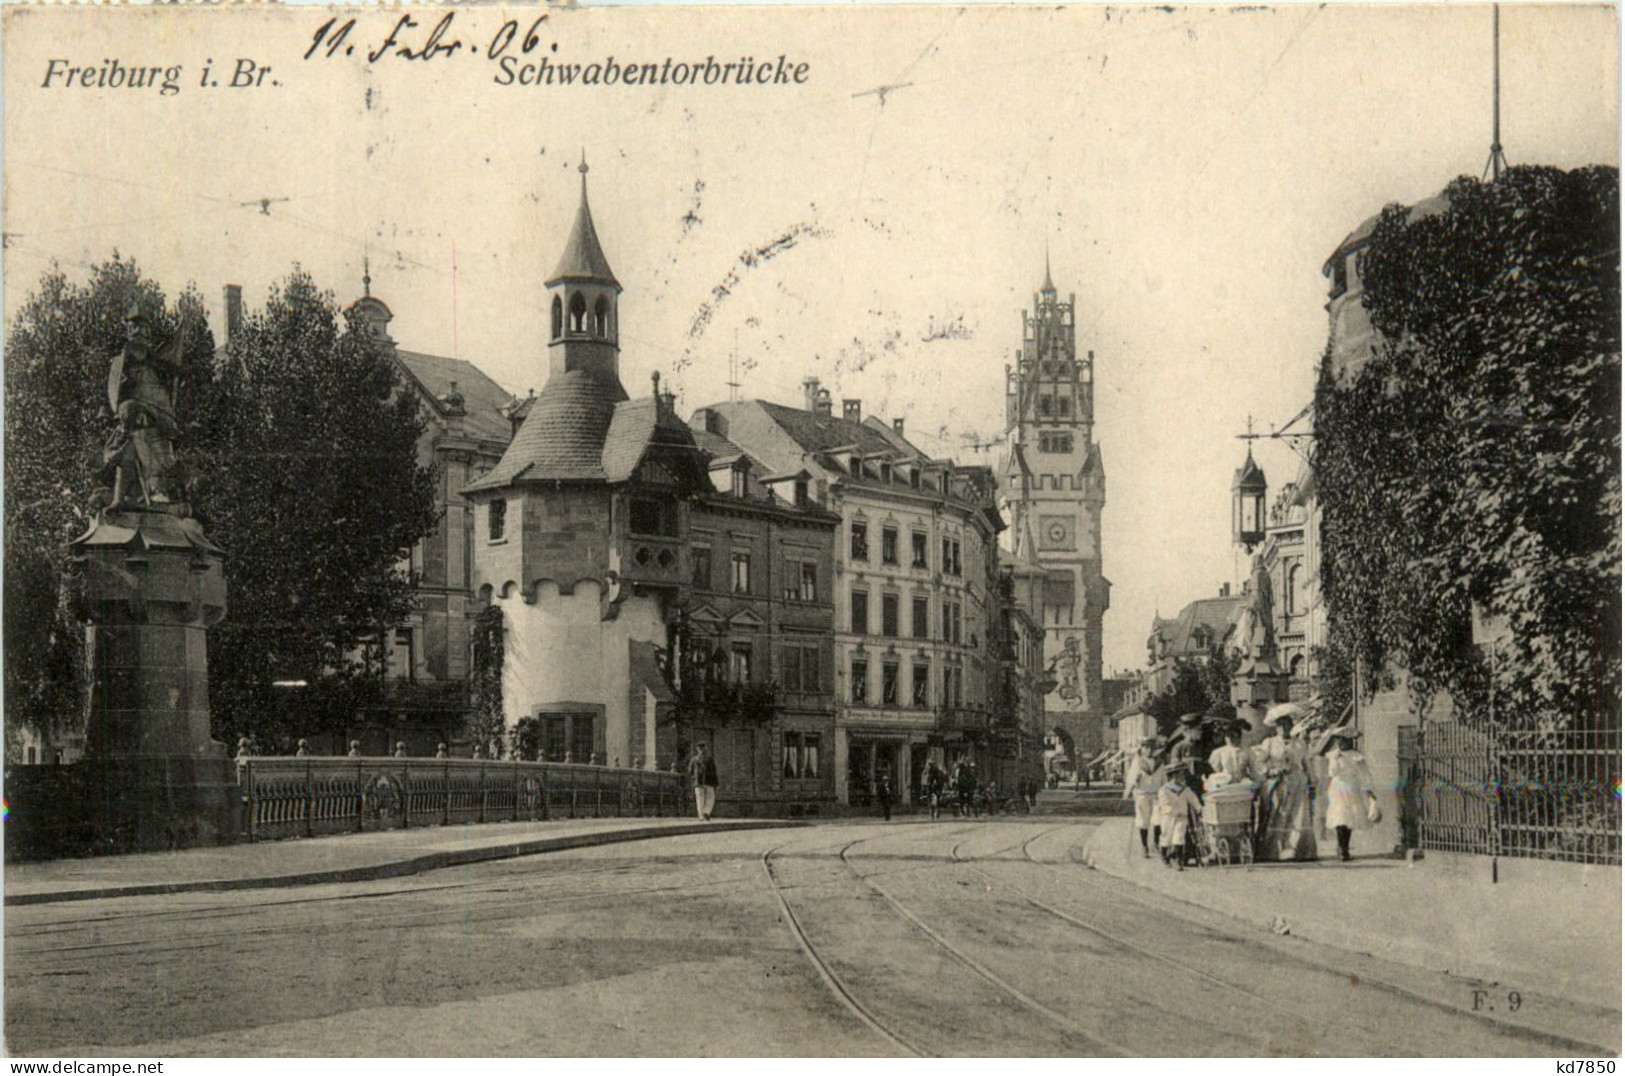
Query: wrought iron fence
1538, 794
303, 797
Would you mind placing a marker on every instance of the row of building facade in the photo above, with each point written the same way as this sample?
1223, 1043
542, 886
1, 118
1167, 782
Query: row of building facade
808, 593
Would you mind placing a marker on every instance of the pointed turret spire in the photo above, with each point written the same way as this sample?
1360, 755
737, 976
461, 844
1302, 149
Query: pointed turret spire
583, 258
1049, 285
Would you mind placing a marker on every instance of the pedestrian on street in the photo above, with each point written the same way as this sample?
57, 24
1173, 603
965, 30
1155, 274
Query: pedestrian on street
1285, 827
883, 792
702, 772
1231, 763
965, 788
1351, 799
934, 782
1140, 783
1177, 802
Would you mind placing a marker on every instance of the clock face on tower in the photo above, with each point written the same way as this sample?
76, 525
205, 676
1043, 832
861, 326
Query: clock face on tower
1057, 532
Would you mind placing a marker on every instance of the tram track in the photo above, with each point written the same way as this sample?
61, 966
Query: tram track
1060, 1020
826, 973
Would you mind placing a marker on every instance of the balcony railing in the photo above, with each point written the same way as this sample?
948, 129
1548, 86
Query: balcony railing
303, 797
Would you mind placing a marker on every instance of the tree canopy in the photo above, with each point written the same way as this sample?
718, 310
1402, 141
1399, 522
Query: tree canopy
303, 445
1475, 461
58, 349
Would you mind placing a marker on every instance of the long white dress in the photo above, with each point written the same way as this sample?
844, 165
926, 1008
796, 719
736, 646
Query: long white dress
1284, 800
1348, 783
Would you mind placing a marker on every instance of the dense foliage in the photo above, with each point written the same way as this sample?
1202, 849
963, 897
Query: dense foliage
1475, 461
310, 481
485, 718
304, 456
1201, 687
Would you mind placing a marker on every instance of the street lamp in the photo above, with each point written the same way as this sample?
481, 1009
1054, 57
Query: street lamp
1247, 503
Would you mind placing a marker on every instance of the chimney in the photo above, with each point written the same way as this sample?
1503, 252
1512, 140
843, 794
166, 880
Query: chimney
234, 310
1224, 590
852, 410
897, 426
822, 404
809, 393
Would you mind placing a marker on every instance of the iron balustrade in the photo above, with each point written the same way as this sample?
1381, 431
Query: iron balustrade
1527, 793
304, 797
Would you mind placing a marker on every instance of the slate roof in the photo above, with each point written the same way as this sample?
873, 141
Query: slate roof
583, 257
563, 438
1216, 615
582, 428
821, 433
483, 399
634, 427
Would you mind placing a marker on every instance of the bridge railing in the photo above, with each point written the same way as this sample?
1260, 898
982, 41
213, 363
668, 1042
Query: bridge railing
304, 797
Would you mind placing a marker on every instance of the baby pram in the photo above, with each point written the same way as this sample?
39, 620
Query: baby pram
1229, 817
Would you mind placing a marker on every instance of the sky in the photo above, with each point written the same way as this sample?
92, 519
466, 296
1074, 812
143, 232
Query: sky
881, 226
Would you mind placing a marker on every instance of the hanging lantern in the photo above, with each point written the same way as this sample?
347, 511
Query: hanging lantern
1247, 504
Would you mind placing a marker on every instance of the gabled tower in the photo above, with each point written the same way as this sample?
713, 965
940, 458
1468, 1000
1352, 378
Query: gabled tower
1055, 488
584, 320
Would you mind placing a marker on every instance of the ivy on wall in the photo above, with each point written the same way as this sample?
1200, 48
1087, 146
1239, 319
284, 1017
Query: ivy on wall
1475, 461
485, 719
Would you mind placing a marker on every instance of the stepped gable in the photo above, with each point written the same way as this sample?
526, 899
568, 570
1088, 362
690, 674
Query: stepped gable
563, 438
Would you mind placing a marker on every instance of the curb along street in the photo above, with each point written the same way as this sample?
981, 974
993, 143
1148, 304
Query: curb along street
395, 868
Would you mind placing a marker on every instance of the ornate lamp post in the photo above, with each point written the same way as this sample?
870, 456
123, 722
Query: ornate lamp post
1247, 495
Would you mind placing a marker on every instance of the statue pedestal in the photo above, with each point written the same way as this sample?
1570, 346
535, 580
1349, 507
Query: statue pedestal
152, 587
1255, 688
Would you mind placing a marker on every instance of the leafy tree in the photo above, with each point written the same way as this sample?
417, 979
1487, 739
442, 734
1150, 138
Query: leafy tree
310, 481
1186, 693
1475, 461
304, 450
58, 351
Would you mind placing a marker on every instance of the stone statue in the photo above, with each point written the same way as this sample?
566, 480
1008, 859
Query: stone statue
138, 460
1255, 630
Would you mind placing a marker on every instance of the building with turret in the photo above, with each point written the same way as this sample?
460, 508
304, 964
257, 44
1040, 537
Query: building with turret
580, 533
1053, 491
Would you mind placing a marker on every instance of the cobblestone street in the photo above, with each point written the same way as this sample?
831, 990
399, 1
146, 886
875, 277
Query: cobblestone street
956, 937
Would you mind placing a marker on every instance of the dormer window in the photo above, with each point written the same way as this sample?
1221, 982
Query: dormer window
857, 467
740, 482
801, 493
578, 313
